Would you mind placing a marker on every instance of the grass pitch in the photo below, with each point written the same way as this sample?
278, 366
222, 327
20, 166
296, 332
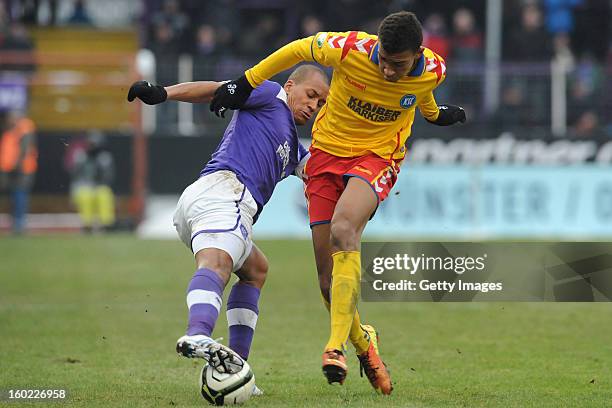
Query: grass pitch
99, 316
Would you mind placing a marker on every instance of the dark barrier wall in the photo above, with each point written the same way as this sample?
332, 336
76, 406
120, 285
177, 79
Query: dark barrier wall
173, 161
176, 161
52, 176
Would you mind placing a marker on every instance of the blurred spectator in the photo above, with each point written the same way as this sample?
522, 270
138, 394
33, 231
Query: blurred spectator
593, 28
559, 15
561, 48
206, 40
560, 23
165, 48
173, 24
587, 126
416, 6
223, 15
18, 163
165, 42
511, 113
465, 48
466, 39
15, 38
4, 17
206, 59
344, 15
435, 36
262, 37
310, 26
92, 170
31, 10
530, 42
79, 16
586, 84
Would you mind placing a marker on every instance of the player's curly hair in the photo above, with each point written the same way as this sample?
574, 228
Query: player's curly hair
400, 32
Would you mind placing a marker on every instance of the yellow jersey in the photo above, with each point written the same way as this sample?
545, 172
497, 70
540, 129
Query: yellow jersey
364, 113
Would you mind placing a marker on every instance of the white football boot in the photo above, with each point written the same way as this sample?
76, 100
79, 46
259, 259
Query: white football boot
220, 357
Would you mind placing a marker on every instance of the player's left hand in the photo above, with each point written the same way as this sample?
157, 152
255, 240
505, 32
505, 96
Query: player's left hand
449, 115
147, 92
231, 95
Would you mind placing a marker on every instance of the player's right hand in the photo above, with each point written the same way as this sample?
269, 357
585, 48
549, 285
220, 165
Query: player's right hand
231, 95
146, 92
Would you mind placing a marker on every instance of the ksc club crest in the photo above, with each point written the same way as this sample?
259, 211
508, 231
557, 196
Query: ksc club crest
407, 101
321, 39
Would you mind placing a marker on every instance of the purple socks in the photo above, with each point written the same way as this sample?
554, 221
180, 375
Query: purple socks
204, 301
242, 312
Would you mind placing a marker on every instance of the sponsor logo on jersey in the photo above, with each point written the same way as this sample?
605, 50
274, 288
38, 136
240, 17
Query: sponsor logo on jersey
358, 85
371, 111
284, 152
407, 101
363, 170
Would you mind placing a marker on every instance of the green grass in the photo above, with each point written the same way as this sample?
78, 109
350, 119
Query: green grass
99, 316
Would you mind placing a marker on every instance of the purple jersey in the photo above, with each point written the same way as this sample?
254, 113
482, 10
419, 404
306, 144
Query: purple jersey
260, 144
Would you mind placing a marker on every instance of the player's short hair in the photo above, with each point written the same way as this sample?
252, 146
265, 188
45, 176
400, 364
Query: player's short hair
305, 71
399, 32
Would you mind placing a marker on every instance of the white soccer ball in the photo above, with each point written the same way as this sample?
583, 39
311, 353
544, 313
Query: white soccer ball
226, 389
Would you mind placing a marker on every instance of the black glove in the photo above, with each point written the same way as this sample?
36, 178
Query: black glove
149, 94
231, 95
449, 115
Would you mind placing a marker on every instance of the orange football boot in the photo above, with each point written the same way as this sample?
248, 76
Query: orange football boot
371, 363
334, 366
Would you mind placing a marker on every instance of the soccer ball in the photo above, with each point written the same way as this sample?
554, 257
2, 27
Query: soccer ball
226, 389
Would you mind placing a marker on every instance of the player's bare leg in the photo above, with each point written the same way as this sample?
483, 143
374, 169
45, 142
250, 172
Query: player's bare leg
354, 208
255, 269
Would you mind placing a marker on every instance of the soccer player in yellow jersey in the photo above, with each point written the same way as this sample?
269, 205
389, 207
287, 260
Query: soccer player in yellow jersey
358, 142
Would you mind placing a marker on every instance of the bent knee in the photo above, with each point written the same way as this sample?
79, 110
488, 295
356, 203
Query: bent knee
214, 259
255, 273
344, 235
260, 273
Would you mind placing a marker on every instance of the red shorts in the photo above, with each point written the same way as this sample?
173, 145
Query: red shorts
328, 174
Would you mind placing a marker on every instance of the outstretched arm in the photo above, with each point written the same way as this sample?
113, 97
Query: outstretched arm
194, 92
282, 59
233, 94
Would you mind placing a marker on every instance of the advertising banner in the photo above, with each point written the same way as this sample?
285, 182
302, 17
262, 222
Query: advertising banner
571, 202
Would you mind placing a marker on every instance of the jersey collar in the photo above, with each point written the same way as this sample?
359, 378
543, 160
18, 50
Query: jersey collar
282, 95
417, 71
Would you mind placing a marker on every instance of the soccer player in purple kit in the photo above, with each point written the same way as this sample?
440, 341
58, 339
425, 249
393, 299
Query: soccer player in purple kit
215, 214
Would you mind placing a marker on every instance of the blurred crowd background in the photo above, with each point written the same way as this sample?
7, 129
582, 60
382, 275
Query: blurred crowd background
68, 63
224, 36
